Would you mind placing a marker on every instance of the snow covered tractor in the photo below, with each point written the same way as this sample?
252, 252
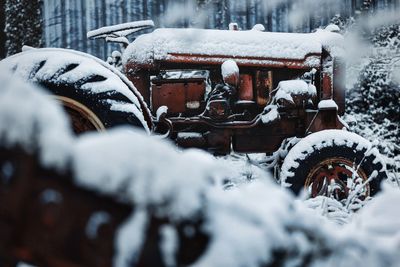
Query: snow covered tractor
221, 91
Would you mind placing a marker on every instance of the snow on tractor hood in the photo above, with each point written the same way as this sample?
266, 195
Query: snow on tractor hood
251, 48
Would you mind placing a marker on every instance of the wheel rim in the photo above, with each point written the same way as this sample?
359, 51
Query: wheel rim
337, 177
82, 118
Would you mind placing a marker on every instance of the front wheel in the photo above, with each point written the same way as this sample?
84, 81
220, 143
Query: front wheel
334, 163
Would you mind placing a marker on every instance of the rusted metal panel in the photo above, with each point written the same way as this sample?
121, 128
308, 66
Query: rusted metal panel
191, 140
171, 95
178, 96
141, 80
183, 61
195, 93
310, 61
263, 139
324, 120
256, 144
326, 86
246, 88
327, 76
263, 86
219, 141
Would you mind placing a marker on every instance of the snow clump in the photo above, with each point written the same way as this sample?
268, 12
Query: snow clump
286, 89
229, 68
29, 120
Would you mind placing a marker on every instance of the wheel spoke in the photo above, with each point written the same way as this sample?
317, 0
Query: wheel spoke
336, 177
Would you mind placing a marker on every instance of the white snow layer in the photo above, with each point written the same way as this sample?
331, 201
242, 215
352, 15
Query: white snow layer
270, 114
143, 170
389, 198
55, 61
246, 229
120, 30
258, 27
330, 41
169, 245
332, 28
286, 89
327, 104
229, 67
30, 120
297, 87
375, 230
163, 43
129, 238
329, 208
250, 223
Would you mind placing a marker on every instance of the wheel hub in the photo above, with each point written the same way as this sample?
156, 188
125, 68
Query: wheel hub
82, 118
337, 177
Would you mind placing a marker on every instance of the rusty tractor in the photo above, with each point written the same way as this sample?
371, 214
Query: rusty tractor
221, 91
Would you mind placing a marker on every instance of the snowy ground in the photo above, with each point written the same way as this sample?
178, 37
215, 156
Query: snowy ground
382, 136
246, 169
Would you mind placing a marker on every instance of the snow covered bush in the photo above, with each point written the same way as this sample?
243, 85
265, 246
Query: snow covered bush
373, 102
344, 23
387, 36
377, 93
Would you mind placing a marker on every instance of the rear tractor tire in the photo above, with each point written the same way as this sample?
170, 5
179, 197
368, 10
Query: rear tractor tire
336, 164
94, 95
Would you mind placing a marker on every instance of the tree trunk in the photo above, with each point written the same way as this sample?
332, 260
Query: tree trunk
23, 24
2, 34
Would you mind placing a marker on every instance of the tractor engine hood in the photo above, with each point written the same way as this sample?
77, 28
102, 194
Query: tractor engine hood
248, 48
